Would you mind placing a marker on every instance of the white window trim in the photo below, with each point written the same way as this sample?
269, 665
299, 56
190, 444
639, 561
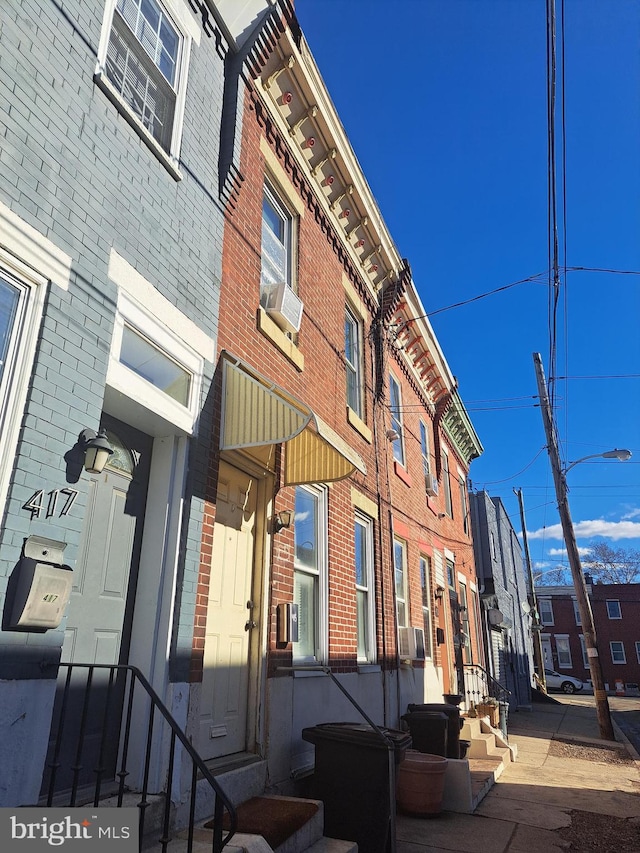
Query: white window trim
446, 483
397, 540
428, 642
281, 204
614, 601
322, 655
583, 648
358, 368
576, 613
367, 523
35, 289
186, 23
399, 419
425, 448
564, 665
168, 328
540, 600
637, 646
624, 654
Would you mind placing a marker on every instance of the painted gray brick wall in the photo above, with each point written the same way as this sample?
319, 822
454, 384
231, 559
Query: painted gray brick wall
75, 170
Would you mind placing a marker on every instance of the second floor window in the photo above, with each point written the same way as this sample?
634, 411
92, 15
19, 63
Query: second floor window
546, 611
395, 405
276, 251
576, 613
143, 64
446, 484
462, 484
400, 571
613, 609
353, 359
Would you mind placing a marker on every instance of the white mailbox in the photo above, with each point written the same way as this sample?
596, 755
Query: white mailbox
43, 587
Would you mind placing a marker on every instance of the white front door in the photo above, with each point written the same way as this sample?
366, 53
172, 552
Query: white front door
547, 654
230, 617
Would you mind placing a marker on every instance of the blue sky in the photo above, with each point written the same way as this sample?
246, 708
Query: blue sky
445, 104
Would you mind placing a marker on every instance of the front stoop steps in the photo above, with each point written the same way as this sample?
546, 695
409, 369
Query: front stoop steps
487, 756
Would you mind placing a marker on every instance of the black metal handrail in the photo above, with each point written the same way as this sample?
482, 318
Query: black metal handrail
479, 685
95, 722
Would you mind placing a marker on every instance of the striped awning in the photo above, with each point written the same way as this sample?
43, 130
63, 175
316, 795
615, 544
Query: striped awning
256, 412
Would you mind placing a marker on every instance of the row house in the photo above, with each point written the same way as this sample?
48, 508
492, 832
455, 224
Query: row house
507, 614
196, 280
616, 615
337, 533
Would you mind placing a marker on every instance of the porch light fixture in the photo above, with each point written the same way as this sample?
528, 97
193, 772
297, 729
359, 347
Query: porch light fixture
439, 593
97, 450
282, 520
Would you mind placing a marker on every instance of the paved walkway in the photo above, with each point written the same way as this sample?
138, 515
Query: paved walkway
532, 799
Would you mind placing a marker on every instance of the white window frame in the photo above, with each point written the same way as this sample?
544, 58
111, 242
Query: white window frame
16, 377
354, 361
368, 654
542, 602
637, 645
401, 583
576, 612
464, 620
427, 615
464, 504
321, 615
397, 421
583, 649
563, 639
446, 483
619, 643
426, 457
188, 29
281, 209
611, 601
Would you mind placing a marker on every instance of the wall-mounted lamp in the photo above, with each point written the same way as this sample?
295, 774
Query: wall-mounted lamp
439, 593
440, 515
97, 450
393, 434
281, 520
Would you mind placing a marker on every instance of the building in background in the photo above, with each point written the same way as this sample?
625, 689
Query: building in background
506, 612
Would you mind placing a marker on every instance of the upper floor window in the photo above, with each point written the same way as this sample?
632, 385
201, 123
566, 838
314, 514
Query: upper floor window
576, 612
426, 458
395, 405
144, 61
546, 611
613, 609
464, 621
310, 589
617, 651
365, 593
353, 359
462, 484
277, 230
446, 484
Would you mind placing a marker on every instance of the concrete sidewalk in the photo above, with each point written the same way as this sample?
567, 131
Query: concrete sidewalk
534, 796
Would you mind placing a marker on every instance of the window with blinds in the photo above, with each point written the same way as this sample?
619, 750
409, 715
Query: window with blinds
142, 64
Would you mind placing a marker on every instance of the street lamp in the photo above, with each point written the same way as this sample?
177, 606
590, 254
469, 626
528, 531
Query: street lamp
584, 606
622, 455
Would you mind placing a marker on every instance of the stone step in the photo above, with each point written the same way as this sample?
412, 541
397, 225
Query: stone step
484, 746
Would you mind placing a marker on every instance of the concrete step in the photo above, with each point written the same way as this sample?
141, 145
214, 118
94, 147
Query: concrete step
332, 845
484, 746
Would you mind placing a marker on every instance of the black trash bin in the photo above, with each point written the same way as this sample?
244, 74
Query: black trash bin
351, 777
455, 723
428, 731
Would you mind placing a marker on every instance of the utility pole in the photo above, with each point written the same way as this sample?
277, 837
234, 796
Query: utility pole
584, 606
535, 626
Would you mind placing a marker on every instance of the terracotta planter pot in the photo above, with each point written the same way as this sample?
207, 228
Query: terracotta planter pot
420, 783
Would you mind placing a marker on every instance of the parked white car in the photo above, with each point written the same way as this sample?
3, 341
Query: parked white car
558, 681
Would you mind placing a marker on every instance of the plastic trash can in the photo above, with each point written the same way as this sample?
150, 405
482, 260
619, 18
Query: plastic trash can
455, 723
428, 731
351, 777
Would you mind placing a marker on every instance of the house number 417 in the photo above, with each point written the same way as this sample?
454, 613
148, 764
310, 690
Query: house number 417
58, 503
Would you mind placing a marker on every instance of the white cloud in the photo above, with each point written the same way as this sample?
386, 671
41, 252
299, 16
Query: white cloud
587, 529
562, 552
634, 513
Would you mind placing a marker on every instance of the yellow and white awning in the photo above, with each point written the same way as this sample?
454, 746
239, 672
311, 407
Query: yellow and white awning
256, 412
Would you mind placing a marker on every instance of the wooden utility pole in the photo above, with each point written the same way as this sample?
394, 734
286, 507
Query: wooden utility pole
535, 625
584, 606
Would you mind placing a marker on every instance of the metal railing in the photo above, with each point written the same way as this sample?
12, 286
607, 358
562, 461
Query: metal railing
105, 732
479, 685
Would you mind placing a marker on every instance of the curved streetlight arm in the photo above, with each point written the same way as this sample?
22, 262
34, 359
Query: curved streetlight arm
622, 455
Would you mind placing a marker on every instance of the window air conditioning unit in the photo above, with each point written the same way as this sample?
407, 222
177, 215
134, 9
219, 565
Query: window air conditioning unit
431, 485
404, 650
283, 306
416, 643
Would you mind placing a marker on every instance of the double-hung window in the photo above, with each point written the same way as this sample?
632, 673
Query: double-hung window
310, 573
576, 612
425, 571
564, 651
400, 571
464, 620
353, 361
546, 611
617, 651
143, 67
277, 231
426, 461
365, 591
613, 609
446, 482
462, 484
395, 406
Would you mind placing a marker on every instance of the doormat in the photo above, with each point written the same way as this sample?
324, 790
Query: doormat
273, 818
